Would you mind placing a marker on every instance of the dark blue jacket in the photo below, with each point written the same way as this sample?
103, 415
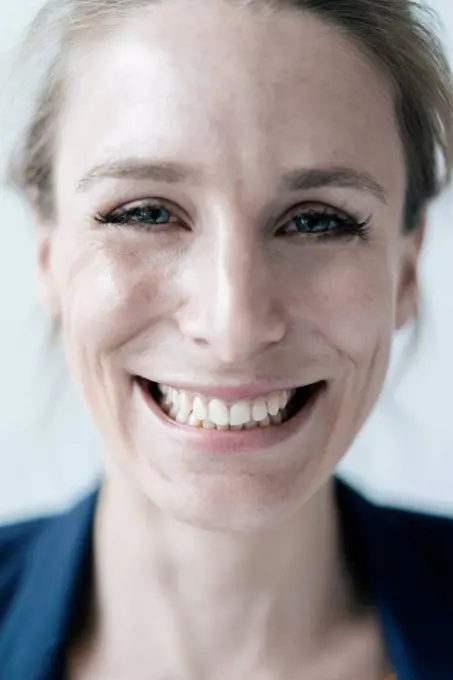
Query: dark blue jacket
404, 559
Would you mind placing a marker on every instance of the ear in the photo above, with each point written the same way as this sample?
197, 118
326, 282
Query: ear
408, 286
44, 276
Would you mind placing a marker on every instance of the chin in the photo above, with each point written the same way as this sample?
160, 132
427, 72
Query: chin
231, 502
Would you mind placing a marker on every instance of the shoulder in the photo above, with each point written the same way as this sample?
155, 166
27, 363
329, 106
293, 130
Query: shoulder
16, 544
398, 550
399, 539
42, 567
423, 543
50, 537
419, 529
355, 506
422, 548
404, 561
426, 530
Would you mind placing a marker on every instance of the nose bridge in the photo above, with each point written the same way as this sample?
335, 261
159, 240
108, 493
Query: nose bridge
239, 277
239, 315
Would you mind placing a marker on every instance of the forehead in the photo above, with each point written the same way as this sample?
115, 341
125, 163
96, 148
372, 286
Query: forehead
231, 91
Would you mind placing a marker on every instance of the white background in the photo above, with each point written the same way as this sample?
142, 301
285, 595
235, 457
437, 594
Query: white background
49, 452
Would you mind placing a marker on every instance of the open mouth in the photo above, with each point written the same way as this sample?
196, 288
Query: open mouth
198, 411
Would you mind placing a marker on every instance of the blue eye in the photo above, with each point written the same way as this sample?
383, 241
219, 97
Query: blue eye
324, 224
319, 224
143, 216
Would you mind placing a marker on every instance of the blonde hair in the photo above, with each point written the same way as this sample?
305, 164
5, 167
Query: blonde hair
398, 35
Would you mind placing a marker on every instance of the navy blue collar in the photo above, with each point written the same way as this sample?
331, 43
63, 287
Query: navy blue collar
405, 560
34, 638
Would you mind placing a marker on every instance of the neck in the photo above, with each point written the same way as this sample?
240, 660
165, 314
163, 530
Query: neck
202, 600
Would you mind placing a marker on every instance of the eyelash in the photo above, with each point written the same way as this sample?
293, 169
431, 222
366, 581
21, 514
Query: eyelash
347, 227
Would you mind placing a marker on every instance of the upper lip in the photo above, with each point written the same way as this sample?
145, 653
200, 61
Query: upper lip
234, 393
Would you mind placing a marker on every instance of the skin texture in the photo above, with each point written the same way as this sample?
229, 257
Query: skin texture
221, 297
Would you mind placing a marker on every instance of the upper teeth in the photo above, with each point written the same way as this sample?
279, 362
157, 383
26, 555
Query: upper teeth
195, 409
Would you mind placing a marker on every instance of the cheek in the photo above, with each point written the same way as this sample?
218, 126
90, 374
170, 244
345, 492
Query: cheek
349, 298
110, 293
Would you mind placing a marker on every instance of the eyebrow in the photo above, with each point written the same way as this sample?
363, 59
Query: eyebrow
349, 178
167, 172
174, 173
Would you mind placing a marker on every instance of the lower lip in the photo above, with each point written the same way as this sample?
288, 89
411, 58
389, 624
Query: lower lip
234, 441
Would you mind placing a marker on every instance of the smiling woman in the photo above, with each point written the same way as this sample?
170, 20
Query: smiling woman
229, 200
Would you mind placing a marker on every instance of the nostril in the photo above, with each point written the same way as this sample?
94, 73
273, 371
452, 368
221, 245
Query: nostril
200, 342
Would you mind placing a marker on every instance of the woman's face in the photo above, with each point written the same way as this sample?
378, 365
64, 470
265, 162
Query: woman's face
230, 189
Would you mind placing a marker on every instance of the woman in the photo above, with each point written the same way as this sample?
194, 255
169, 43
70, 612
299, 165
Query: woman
230, 202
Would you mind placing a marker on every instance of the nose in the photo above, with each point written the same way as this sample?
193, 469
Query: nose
232, 306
